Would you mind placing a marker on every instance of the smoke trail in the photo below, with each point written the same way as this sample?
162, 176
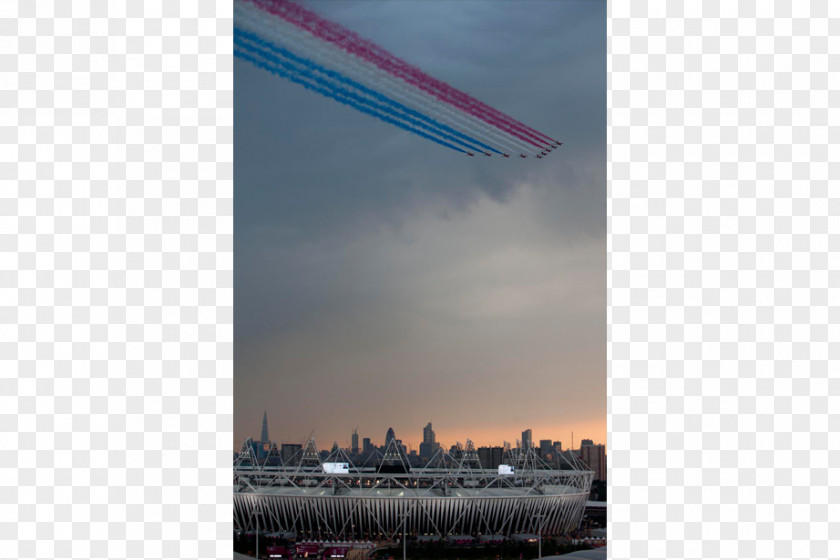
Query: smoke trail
282, 32
432, 125
357, 46
257, 45
350, 41
245, 54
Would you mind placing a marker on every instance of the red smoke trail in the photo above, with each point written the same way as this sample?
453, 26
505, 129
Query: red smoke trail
367, 50
354, 44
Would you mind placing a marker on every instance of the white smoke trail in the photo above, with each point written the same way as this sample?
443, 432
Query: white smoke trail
444, 92
278, 32
266, 60
250, 17
295, 39
287, 64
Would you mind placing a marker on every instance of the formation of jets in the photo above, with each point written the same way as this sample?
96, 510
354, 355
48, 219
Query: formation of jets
539, 156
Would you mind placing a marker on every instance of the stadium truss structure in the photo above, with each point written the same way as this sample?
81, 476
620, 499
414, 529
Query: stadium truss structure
451, 497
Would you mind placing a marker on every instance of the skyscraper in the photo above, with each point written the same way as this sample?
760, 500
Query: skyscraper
264, 434
584, 442
429, 446
527, 439
595, 457
389, 436
366, 446
428, 434
354, 445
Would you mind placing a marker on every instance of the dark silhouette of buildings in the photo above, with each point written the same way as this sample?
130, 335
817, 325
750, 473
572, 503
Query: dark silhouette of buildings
595, 457
429, 446
527, 439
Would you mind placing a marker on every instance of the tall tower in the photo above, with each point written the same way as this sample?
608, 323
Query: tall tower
264, 435
428, 434
527, 439
354, 446
389, 436
429, 446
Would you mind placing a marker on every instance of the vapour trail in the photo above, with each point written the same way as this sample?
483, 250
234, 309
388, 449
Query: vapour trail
322, 56
283, 33
353, 43
327, 32
337, 76
298, 66
254, 58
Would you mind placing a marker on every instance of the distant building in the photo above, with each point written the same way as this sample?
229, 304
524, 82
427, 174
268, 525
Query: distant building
389, 436
257, 448
367, 447
490, 457
558, 446
354, 445
567, 459
264, 434
428, 450
428, 434
289, 450
527, 439
429, 446
595, 457
545, 448
586, 442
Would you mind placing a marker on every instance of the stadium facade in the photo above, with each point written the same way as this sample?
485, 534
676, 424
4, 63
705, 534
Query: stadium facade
450, 497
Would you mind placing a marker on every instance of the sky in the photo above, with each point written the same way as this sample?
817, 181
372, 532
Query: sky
383, 280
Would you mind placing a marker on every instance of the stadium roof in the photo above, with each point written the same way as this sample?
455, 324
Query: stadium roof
419, 493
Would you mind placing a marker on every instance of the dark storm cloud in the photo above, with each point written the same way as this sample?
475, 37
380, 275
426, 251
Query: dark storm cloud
341, 276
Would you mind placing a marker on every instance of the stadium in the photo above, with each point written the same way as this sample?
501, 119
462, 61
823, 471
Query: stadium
451, 498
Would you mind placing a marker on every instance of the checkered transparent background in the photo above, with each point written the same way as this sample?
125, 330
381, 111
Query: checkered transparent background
116, 279
116, 285
723, 279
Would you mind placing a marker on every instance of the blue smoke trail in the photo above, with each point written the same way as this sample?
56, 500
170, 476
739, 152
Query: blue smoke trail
242, 52
254, 38
304, 74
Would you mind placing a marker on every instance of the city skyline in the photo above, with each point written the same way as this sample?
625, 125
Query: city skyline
415, 443
382, 280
